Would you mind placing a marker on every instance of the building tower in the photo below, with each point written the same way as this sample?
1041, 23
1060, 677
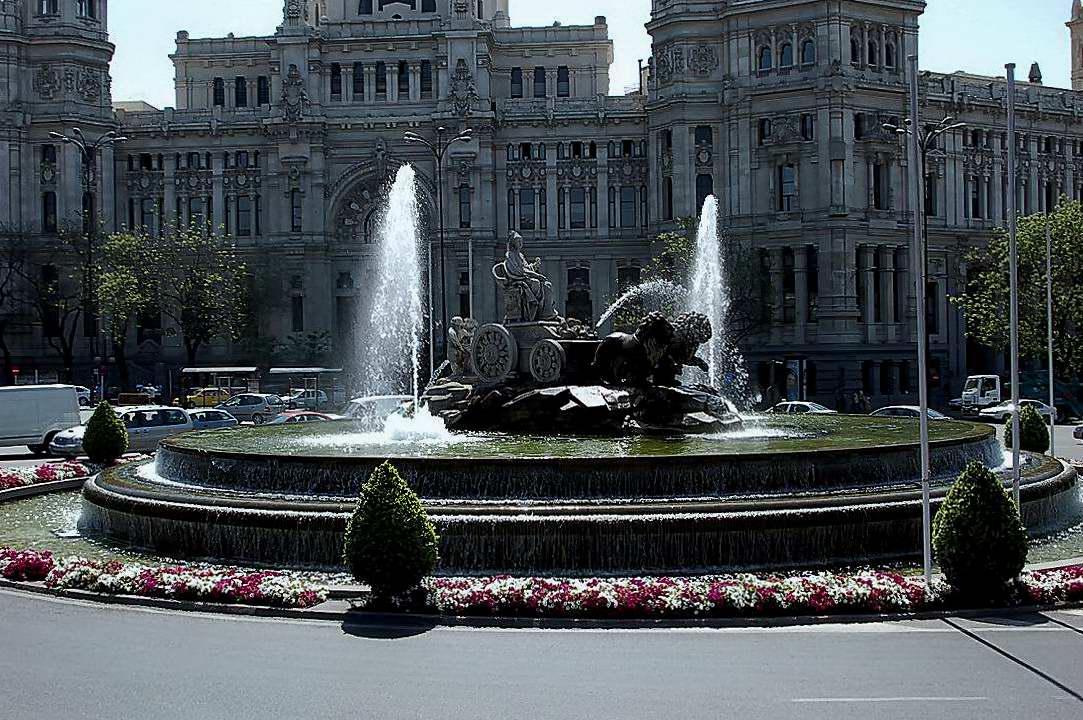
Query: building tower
1076, 27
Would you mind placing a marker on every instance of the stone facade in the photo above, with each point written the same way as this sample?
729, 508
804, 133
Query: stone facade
288, 141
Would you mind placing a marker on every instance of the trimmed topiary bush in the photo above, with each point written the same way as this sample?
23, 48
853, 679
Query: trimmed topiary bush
390, 542
106, 438
1033, 431
978, 536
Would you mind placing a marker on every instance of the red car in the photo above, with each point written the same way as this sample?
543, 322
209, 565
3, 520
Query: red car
293, 417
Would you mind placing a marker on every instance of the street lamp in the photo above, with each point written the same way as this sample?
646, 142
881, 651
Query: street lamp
439, 148
89, 152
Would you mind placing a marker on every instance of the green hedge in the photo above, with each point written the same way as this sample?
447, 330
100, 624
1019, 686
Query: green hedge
106, 438
978, 536
390, 542
1033, 431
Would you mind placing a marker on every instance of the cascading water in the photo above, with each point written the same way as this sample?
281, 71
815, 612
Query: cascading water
390, 337
710, 296
653, 295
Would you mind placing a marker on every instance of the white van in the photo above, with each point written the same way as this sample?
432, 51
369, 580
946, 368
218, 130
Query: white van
32, 415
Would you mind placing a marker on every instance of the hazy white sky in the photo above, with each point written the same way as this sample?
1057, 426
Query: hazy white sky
973, 35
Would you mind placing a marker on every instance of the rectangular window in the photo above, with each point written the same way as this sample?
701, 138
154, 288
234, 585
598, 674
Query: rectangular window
879, 187
543, 211
229, 215
297, 312
540, 88
147, 207
263, 90
612, 207
643, 206
219, 92
426, 79
87, 9
464, 206
517, 82
258, 212
593, 193
358, 82
808, 127
381, 81
667, 198
578, 207
48, 7
704, 136
526, 209
48, 212
564, 85
240, 92
336, 81
627, 206
787, 188
195, 211
244, 216
511, 210
296, 216
48, 154
404, 79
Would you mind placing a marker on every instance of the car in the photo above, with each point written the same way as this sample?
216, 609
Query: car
212, 419
256, 408
147, 426
801, 408
206, 397
83, 393
1078, 433
907, 411
1003, 411
294, 417
306, 400
33, 415
372, 411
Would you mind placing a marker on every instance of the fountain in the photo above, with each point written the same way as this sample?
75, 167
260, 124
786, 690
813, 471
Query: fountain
567, 453
390, 341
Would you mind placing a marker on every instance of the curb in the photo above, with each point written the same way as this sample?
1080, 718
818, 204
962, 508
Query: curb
29, 491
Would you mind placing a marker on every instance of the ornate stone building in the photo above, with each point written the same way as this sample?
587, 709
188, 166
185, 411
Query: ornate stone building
777, 107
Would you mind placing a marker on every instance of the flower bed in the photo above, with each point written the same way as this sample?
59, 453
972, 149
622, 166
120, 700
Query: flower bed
723, 596
11, 478
49, 472
179, 582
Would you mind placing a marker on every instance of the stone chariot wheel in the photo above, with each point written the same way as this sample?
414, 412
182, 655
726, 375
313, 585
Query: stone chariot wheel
495, 353
547, 361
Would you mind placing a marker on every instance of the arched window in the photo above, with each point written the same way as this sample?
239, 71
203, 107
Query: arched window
511, 152
874, 53
704, 188
765, 58
540, 88
785, 55
855, 50
808, 52
364, 7
889, 55
219, 98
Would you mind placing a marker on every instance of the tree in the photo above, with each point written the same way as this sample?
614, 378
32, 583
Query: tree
126, 287
202, 285
14, 258
985, 302
105, 438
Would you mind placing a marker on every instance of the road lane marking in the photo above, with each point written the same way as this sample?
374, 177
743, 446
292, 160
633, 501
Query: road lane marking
909, 699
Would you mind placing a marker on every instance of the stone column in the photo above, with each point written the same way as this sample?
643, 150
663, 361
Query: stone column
778, 309
983, 196
347, 83
800, 271
870, 169
997, 182
391, 71
903, 288
415, 82
1033, 188
888, 290
868, 267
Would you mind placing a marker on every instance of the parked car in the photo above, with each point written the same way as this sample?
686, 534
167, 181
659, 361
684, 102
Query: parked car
306, 400
212, 419
372, 411
907, 411
1003, 411
83, 393
33, 415
256, 408
801, 408
206, 397
147, 426
1078, 434
294, 417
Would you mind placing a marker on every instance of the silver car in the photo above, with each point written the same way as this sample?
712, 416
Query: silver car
256, 408
147, 426
212, 419
306, 400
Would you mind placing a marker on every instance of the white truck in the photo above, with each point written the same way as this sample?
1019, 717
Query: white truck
980, 392
33, 415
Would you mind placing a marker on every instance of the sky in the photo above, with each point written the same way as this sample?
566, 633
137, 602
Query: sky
974, 35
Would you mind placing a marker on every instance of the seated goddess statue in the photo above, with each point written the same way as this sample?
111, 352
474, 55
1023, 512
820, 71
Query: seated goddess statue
529, 293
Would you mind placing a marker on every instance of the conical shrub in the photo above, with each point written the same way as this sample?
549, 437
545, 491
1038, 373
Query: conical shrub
106, 438
978, 536
1033, 431
390, 542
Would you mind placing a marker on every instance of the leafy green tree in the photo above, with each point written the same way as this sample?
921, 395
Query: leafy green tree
106, 438
985, 303
390, 542
126, 287
202, 285
14, 261
1033, 432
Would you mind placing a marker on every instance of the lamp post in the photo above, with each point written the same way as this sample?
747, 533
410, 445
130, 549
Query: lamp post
89, 152
439, 148
1049, 334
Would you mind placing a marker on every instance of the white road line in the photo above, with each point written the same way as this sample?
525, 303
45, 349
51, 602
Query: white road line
888, 700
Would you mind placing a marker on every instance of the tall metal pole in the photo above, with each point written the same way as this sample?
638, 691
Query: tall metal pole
1013, 265
1049, 333
441, 148
918, 253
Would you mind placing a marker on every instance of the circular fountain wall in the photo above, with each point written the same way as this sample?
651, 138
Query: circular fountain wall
792, 492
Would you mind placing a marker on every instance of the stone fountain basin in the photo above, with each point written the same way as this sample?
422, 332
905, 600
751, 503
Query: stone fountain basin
569, 505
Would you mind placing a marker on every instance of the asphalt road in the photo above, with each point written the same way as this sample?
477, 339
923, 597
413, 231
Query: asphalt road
71, 660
